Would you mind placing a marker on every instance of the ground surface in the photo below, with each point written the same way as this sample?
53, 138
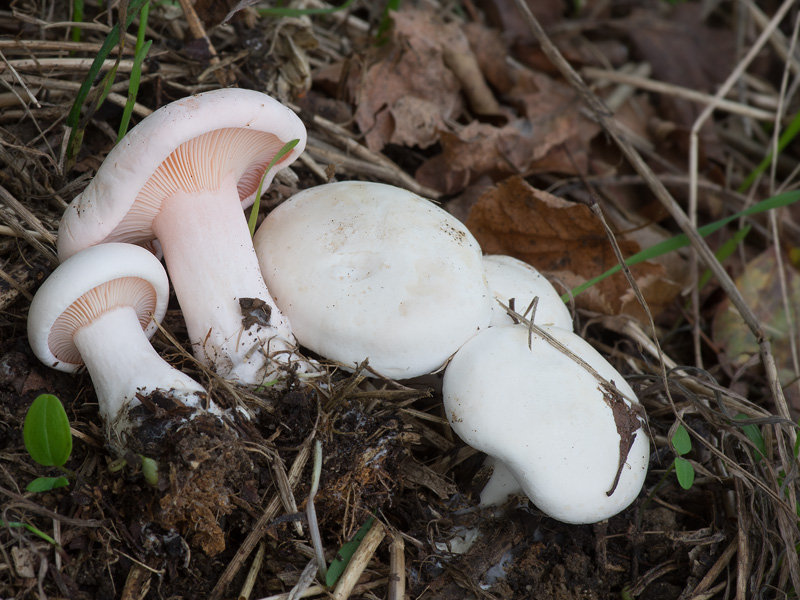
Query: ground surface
458, 102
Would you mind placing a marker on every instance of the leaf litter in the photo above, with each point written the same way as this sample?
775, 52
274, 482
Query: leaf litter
463, 104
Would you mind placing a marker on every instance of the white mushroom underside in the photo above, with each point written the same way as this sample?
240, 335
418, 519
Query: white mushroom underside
200, 165
125, 291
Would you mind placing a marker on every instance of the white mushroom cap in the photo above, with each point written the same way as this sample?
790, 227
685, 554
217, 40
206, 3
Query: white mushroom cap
79, 290
99, 308
182, 175
367, 270
510, 278
223, 131
549, 420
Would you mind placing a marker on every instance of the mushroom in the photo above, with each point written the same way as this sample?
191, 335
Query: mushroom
99, 308
182, 175
572, 438
372, 271
510, 278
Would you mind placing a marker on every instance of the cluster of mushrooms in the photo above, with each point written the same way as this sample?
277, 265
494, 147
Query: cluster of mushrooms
352, 271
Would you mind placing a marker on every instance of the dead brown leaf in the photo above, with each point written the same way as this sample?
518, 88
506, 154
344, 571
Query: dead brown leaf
682, 49
566, 240
407, 92
550, 136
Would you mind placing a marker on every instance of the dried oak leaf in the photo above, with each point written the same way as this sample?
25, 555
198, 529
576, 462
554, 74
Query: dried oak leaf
408, 92
685, 51
550, 136
566, 240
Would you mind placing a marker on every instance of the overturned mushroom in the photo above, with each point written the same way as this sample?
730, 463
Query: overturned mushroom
572, 438
372, 271
98, 309
182, 175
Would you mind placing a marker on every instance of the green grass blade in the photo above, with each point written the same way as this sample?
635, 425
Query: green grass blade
77, 16
30, 528
345, 553
133, 89
73, 118
681, 241
786, 137
724, 252
288, 147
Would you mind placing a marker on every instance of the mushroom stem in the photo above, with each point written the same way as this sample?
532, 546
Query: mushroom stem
232, 321
120, 371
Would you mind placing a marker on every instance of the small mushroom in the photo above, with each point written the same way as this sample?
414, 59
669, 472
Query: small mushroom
510, 278
99, 308
183, 175
372, 271
573, 439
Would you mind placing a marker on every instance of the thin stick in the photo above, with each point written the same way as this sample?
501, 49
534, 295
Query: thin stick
252, 574
359, 561
397, 568
661, 87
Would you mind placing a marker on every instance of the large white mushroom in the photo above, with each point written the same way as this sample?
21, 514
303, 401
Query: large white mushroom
372, 271
182, 175
98, 309
575, 443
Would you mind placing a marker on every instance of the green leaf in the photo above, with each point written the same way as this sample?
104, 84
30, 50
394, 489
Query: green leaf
46, 432
684, 471
45, 484
753, 433
681, 441
345, 553
287, 147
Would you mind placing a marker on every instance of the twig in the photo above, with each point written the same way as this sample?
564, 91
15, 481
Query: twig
359, 560
397, 568
677, 91
252, 574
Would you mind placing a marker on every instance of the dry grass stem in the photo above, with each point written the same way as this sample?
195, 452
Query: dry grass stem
660, 87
